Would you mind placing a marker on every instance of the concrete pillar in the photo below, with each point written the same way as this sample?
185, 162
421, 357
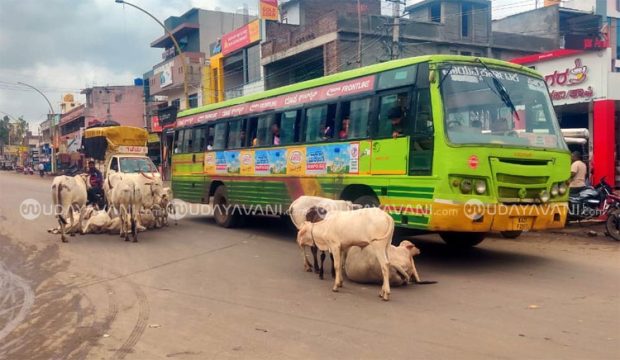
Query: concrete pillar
604, 141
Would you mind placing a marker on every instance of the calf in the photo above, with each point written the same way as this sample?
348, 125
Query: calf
362, 265
95, 221
69, 196
372, 227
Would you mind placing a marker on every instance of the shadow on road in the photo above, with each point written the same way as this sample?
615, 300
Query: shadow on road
433, 251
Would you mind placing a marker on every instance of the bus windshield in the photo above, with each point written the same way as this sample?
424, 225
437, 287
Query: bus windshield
478, 111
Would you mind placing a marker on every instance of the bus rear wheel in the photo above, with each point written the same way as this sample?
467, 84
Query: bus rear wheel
223, 213
511, 234
462, 240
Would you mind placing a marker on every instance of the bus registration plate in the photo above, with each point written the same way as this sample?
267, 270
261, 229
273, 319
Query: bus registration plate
522, 223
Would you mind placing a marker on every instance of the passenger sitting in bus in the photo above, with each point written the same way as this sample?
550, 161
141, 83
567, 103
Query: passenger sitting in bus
395, 115
275, 130
344, 128
255, 141
242, 138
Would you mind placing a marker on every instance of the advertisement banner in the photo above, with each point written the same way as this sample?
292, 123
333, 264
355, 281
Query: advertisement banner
209, 163
240, 38
247, 162
165, 74
277, 162
316, 160
261, 162
296, 163
269, 10
220, 163
232, 162
328, 92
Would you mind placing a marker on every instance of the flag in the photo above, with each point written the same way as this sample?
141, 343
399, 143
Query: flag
269, 10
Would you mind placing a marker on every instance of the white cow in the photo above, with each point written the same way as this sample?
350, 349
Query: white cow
362, 265
95, 221
69, 196
298, 212
343, 229
126, 198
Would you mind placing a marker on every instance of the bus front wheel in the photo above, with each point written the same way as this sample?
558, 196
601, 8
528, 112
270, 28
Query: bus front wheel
223, 213
511, 234
462, 240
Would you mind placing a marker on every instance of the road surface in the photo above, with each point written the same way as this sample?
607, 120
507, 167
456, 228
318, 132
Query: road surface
197, 291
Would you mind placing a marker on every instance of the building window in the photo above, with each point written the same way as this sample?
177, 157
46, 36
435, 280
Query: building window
253, 63
465, 19
193, 100
435, 10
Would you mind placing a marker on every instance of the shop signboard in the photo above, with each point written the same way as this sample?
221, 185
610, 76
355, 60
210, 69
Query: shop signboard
578, 78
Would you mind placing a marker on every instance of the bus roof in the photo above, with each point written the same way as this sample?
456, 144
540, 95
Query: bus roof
350, 74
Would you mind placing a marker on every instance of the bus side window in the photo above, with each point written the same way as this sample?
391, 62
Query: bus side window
178, 141
220, 136
210, 137
289, 123
394, 106
320, 121
198, 141
253, 131
236, 134
263, 131
187, 136
354, 119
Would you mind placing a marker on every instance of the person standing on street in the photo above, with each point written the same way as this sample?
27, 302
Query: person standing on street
41, 169
578, 171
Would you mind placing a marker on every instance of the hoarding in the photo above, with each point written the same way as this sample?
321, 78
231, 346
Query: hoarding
269, 10
241, 37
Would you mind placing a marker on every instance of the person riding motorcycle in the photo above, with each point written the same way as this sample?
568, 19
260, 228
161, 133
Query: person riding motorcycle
95, 179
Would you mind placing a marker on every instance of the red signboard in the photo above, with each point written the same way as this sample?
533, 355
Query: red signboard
332, 91
269, 9
241, 37
155, 126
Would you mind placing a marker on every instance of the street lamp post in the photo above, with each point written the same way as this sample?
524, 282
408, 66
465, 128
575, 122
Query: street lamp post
176, 45
53, 128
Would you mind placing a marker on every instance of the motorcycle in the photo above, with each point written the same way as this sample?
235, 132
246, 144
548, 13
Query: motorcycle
592, 203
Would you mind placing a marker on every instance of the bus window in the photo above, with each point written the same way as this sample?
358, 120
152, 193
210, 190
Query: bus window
392, 115
199, 140
423, 122
236, 134
210, 137
289, 123
354, 119
178, 141
263, 131
397, 77
187, 141
320, 123
220, 136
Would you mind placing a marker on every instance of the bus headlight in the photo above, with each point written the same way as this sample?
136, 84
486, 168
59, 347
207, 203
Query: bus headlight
481, 187
555, 190
544, 196
466, 186
562, 189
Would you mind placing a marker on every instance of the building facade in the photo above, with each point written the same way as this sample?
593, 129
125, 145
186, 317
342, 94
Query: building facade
583, 78
321, 37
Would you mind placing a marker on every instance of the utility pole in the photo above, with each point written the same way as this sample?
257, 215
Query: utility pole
395, 54
359, 33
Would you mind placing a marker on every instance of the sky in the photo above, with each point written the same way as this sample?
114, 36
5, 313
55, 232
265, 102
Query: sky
63, 46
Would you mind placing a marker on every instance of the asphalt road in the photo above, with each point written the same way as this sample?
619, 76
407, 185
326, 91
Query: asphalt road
196, 291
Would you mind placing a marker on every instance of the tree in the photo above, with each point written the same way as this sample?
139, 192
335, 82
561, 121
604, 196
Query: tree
20, 128
5, 130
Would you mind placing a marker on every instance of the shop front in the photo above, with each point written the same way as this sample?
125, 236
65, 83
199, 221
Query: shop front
586, 96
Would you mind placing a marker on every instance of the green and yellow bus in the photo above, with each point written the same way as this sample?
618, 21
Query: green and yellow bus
451, 144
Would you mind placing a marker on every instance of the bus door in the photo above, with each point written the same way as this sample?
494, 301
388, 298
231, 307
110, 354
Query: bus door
390, 145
